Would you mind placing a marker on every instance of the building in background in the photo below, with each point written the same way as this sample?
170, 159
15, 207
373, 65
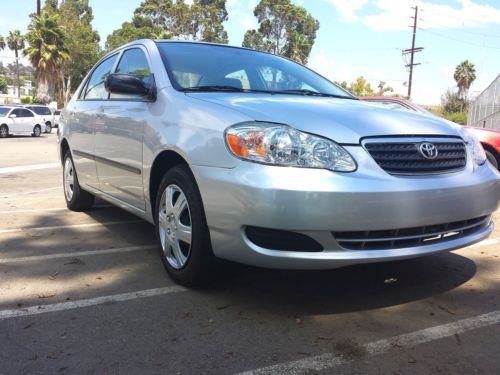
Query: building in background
27, 90
484, 111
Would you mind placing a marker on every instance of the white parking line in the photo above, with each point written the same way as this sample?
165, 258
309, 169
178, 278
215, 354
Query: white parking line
21, 211
30, 192
75, 254
24, 168
88, 225
42, 309
330, 360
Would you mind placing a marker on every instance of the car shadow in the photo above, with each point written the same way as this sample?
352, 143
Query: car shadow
342, 290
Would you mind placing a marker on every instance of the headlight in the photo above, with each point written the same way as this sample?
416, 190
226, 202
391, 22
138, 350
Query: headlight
285, 146
474, 146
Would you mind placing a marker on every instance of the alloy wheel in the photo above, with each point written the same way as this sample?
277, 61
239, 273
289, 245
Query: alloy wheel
175, 229
69, 179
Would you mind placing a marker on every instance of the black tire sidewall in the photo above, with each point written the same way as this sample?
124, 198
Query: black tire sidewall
201, 261
39, 131
490, 156
81, 200
7, 134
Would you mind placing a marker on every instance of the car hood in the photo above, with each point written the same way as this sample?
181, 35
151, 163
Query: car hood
342, 120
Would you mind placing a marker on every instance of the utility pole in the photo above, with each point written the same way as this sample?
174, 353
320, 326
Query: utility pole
38, 6
411, 51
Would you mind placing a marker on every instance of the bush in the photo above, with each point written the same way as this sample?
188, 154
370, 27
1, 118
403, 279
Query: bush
452, 103
26, 100
457, 117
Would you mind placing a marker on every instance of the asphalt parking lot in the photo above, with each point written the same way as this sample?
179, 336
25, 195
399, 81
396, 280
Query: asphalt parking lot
85, 293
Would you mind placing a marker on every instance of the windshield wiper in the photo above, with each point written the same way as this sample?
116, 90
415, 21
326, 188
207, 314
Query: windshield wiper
313, 93
213, 88
220, 88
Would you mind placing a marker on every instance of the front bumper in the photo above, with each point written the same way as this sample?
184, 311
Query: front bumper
319, 202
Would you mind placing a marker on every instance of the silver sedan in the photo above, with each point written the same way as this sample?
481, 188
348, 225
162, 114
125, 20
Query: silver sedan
245, 156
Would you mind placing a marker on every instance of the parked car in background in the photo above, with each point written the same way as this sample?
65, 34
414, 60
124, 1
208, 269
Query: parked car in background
45, 113
250, 157
57, 117
19, 121
489, 138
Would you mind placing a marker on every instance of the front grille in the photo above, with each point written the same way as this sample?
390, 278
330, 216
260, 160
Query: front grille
410, 237
405, 158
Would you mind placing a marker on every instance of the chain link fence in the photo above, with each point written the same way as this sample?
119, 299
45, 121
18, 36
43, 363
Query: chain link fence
484, 111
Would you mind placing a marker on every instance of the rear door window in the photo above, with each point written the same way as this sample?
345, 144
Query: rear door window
27, 113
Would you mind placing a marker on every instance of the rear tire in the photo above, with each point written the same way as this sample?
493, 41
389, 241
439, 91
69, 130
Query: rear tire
48, 128
76, 198
4, 131
182, 231
37, 130
492, 158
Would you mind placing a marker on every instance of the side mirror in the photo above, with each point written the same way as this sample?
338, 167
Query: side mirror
12, 116
128, 84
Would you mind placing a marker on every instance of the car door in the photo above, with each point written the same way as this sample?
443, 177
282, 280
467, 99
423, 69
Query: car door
119, 143
84, 117
29, 120
19, 122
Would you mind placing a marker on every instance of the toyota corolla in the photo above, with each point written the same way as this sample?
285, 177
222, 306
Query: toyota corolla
240, 155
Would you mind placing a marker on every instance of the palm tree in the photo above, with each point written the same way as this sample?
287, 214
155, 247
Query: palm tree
2, 43
15, 42
465, 74
47, 52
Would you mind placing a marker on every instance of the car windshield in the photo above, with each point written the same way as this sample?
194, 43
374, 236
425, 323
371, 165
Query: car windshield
206, 67
4, 111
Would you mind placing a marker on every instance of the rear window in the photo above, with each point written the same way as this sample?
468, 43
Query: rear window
41, 110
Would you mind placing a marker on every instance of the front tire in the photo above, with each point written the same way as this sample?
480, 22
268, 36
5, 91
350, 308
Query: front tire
4, 131
76, 198
181, 230
37, 130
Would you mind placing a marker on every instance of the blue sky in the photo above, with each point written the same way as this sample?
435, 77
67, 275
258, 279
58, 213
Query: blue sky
356, 37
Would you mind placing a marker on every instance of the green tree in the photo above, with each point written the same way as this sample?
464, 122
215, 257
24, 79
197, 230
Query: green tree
166, 19
465, 74
452, 102
284, 29
2, 43
3, 85
361, 87
81, 42
342, 84
127, 33
47, 52
15, 42
382, 88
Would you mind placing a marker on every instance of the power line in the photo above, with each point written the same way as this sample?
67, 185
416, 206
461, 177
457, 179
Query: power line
456, 28
458, 40
448, 15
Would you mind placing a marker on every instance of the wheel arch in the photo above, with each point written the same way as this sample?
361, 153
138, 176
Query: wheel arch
63, 149
164, 161
492, 150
